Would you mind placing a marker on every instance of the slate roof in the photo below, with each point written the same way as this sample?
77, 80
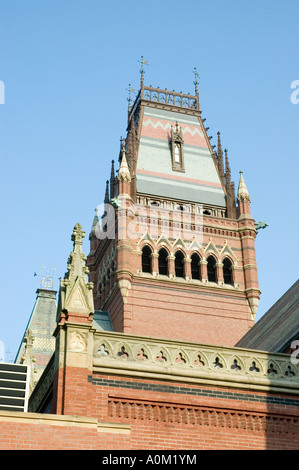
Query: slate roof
278, 327
199, 182
101, 321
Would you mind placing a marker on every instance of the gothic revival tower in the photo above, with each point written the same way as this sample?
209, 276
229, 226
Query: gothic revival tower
173, 254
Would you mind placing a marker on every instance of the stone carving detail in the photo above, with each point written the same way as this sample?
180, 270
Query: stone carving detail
102, 351
161, 357
77, 342
209, 361
180, 359
142, 355
123, 353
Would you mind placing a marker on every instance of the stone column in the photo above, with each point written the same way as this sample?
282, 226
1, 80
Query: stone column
155, 266
204, 270
171, 266
187, 265
219, 273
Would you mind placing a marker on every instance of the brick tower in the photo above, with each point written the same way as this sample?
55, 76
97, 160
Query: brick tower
173, 253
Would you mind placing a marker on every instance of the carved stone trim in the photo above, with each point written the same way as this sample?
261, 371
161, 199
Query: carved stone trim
178, 361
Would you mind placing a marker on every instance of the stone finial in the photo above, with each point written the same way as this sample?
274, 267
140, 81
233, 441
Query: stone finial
243, 194
112, 181
124, 173
227, 170
75, 295
95, 224
106, 199
220, 156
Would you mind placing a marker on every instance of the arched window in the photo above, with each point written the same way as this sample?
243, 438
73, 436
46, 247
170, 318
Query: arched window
146, 259
227, 271
211, 269
163, 262
195, 266
177, 153
179, 264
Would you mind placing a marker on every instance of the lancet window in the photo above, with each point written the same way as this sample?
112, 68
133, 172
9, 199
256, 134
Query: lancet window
211, 267
163, 262
195, 266
146, 259
179, 264
177, 150
227, 271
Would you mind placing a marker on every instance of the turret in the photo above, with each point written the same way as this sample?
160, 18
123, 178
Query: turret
243, 197
124, 177
247, 234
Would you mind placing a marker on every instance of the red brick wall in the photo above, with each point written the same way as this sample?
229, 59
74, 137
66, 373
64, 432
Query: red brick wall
170, 415
165, 420
34, 431
158, 415
161, 420
177, 309
182, 311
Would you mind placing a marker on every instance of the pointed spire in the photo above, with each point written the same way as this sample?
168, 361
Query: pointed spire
75, 295
112, 171
227, 170
196, 77
220, 156
130, 143
124, 173
112, 181
95, 224
143, 62
130, 90
121, 144
230, 190
106, 200
243, 194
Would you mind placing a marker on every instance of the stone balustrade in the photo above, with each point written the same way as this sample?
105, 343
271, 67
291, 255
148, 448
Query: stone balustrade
180, 361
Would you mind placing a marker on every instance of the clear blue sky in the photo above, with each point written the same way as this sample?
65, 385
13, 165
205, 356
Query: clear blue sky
66, 65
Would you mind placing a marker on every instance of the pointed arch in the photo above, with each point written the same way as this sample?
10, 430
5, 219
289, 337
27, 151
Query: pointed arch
195, 266
211, 267
179, 264
227, 271
163, 261
146, 259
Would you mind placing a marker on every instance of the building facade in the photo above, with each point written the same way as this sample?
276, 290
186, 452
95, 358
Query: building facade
147, 324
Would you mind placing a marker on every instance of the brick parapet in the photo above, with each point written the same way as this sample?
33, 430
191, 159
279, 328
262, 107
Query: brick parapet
25, 431
177, 395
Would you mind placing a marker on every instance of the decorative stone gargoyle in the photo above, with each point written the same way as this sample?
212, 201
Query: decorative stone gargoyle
259, 225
